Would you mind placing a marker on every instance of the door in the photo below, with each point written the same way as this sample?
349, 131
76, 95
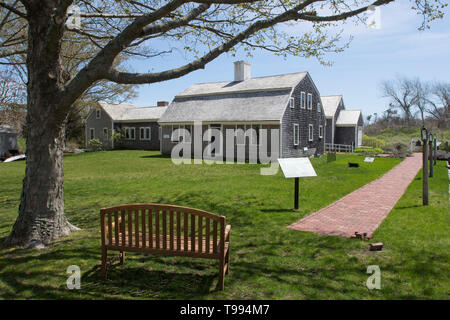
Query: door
360, 136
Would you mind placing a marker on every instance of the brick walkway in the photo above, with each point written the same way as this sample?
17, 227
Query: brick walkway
365, 208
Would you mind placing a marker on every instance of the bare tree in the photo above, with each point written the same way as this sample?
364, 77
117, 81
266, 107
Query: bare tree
438, 104
421, 92
401, 95
204, 29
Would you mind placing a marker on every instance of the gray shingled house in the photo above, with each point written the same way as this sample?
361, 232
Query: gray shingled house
344, 127
139, 125
288, 102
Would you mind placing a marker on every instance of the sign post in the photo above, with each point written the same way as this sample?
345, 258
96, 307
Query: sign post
297, 168
296, 193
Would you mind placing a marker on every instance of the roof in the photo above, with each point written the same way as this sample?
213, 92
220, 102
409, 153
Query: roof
242, 107
128, 112
348, 118
330, 104
7, 129
269, 83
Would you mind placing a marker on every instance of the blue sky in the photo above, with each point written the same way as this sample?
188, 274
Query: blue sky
374, 55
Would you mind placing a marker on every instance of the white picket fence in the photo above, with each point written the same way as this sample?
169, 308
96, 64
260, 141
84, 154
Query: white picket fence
333, 147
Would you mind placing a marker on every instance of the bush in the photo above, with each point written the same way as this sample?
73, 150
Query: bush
368, 150
444, 146
373, 142
95, 145
400, 150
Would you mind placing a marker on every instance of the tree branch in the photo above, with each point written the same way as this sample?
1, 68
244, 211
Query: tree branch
13, 10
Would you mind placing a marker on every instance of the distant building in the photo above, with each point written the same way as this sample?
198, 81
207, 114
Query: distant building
343, 126
289, 103
139, 125
8, 141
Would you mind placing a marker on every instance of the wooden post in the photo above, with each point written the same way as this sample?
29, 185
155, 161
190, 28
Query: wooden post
431, 156
435, 151
425, 173
296, 193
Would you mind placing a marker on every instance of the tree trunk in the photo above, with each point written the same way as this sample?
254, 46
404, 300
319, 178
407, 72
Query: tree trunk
41, 212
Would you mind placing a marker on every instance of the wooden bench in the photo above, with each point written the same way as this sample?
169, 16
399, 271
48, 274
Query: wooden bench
165, 230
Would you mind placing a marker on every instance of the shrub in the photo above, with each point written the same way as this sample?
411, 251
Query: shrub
95, 145
444, 146
400, 150
368, 150
373, 142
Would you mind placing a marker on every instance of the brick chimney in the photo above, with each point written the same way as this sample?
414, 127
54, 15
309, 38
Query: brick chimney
242, 70
162, 103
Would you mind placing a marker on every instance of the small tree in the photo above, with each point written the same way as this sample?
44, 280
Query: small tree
95, 145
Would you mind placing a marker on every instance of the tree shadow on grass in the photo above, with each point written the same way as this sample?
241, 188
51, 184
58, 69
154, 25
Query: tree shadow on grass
142, 276
152, 156
407, 207
279, 210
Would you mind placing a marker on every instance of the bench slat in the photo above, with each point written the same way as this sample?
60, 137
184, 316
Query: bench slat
116, 227
171, 227
164, 215
185, 234
122, 226
215, 236
136, 228
208, 222
144, 231
178, 231
193, 232
150, 227
130, 228
200, 234
109, 228
157, 228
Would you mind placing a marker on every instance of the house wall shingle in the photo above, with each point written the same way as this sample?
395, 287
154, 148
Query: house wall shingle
303, 117
137, 142
167, 145
98, 125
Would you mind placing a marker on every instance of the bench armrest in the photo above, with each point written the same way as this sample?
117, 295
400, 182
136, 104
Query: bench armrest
227, 233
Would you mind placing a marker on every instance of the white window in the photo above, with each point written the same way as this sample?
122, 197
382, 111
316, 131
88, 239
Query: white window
91, 133
302, 100
309, 101
296, 134
311, 132
291, 102
319, 108
130, 133
145, 133
320, 132
98, 114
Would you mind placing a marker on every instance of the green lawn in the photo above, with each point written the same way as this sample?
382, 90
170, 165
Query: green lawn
268, 261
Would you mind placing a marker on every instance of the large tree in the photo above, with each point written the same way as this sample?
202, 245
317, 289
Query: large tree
204, 29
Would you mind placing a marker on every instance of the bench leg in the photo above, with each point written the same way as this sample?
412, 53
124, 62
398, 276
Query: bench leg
104, 263
227, 261
122, 257
220, 285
